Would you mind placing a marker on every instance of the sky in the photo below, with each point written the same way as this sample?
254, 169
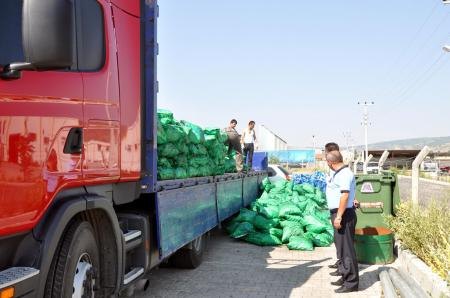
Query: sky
300, 67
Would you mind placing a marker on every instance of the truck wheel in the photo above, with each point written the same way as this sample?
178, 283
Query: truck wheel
190, 257
75, 266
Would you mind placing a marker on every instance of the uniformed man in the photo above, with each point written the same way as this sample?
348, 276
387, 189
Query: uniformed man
234, 143
328, 148
340, 196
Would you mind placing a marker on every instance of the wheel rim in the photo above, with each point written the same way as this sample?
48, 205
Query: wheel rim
197, 244
84, 280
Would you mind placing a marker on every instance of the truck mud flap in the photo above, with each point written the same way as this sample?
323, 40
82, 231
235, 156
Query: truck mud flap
183, 214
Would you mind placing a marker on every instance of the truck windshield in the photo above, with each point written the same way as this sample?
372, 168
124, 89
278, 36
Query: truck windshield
11, 49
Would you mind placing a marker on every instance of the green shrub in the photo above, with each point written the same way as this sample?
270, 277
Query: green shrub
426, 232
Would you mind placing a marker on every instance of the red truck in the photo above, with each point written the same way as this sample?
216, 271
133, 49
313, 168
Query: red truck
81, 210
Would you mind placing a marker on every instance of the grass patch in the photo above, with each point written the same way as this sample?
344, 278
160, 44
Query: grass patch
426, 232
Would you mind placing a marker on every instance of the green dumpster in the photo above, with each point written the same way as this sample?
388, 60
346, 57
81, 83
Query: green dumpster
374, 246
378, 195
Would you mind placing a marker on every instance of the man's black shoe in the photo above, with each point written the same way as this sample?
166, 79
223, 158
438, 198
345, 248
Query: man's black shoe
343, 289
339, 282
334, 266
335, 273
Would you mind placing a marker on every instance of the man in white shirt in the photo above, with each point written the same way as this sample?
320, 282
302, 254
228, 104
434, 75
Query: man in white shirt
341, 189
248, 140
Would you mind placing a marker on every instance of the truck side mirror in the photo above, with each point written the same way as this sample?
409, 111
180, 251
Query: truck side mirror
48, 33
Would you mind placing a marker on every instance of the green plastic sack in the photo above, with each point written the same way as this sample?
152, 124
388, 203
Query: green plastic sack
165, 116
196, 136
269, 211
230, 165
311, 208
308, 188
291, 230
231, 226
161, 133
275, 232
314, 225
168, 150
262, 239
242, 229
223, 137
300, 243
193, 172
164, 162
262, 223
323, 216
197, 149
182, 147
289, 209
212, 131
322, 240
199, 161
320, 199
295, 218
180, 173
181, 161
298, 188
166, 173
246, 215
286, 223
174, 133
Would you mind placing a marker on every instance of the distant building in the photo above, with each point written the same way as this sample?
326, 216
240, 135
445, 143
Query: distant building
269, 141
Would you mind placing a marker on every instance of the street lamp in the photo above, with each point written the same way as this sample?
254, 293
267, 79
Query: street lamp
446, 48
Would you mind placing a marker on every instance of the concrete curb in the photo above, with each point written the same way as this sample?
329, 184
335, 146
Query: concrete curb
429, 281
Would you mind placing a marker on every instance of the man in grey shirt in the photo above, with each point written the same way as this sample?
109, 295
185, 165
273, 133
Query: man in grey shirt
234, 143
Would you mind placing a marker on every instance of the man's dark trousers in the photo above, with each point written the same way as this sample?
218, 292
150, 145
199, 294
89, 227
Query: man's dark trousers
249, 148
344, 241
338, 252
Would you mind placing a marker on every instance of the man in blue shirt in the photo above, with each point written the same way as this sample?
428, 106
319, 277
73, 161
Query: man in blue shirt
341, 188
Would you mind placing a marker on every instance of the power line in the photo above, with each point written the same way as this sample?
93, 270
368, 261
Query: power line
418, 86
411, 42
417, 54
413, 84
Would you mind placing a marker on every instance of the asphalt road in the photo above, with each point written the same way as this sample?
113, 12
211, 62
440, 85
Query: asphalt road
427, 191
233, 268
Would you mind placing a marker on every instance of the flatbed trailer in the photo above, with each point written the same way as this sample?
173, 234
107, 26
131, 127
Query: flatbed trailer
81, 210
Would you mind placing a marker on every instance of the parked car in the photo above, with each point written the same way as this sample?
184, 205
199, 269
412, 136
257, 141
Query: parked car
373, 168
277, 173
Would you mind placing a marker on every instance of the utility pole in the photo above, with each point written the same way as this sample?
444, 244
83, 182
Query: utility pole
365, 123
314, 149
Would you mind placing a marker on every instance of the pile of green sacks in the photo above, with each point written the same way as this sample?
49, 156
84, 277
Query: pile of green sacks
286, 213
186, 150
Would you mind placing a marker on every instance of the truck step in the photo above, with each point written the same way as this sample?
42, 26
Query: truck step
134, 274
15, 275
133, 239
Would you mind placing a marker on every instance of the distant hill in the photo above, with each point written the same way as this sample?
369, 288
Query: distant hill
437, 144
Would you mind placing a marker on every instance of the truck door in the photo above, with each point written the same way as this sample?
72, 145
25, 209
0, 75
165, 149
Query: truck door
97, 62
38, 112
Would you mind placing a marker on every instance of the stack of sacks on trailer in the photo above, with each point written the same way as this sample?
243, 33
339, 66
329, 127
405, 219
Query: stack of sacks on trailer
186, 150
286, 213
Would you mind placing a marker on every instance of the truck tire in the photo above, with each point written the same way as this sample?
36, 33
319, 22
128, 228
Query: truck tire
75, 266
191, 256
